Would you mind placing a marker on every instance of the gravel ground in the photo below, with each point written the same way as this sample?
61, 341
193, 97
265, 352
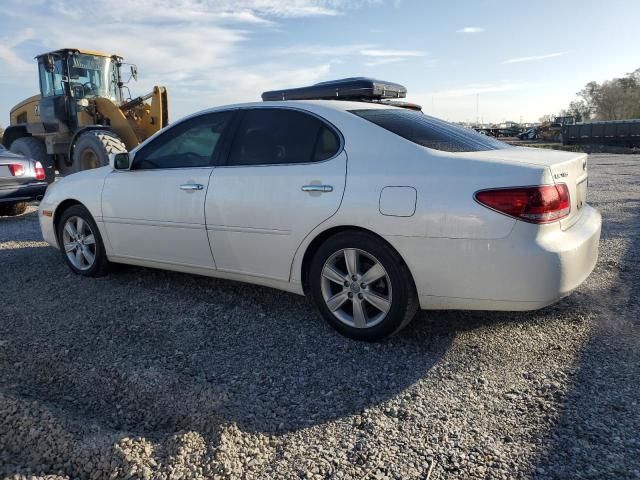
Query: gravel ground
151, 374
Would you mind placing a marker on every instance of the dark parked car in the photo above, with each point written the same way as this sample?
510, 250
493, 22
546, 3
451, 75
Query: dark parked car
21, 180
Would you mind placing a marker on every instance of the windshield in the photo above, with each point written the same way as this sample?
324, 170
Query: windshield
429, 131
92, 76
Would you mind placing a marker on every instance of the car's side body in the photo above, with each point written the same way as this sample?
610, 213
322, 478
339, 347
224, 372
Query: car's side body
258, 226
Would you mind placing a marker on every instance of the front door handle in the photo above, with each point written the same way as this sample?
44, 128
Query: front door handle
317, 188
192, 186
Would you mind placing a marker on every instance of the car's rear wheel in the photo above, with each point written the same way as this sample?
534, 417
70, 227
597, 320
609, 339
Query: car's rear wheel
81, 244
13, 209
362, 286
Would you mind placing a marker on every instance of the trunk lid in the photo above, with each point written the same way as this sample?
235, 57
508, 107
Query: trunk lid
7, 179
565, 167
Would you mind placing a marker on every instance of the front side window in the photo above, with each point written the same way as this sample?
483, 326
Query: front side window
429, 131
52, 83
189, 144
273, 136
46, 81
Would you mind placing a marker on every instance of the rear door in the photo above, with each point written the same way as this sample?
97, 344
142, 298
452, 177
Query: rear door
284, 176
155, 211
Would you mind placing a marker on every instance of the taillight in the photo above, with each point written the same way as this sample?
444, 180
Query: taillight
40, 174
541, 204
16, 169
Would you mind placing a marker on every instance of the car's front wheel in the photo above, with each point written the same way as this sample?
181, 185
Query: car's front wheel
362, 286
81, 243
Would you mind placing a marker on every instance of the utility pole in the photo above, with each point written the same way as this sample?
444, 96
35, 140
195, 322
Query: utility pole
477, 106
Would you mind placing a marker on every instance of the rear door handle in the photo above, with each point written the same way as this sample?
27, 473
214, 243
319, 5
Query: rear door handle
191, 186
317, 188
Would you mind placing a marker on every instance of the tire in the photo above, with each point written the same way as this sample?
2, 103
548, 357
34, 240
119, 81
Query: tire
13, 209
34, 149
92, 149
392, 290
87, 239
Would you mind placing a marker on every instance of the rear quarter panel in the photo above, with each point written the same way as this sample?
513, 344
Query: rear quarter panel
445, 184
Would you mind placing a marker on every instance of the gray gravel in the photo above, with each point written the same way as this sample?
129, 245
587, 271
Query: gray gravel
151, 374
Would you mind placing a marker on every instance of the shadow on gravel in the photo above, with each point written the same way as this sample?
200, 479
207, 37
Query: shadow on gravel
596, 435
150, 353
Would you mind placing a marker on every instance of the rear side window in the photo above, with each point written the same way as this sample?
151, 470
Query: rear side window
429, 131
274, 136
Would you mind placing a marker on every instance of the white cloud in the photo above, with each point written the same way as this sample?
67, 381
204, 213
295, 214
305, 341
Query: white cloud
373, 54
325, 50
480, 88
384, 61
194, 47
471, 30
391, 53
535, 58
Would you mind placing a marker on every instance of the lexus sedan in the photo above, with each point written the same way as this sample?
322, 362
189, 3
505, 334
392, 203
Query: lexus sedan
22, 180
373, 210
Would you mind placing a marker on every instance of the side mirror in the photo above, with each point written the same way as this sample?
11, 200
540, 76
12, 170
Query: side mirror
119, 161
134, 72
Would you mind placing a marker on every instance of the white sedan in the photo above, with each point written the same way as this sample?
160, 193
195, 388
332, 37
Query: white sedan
373, 210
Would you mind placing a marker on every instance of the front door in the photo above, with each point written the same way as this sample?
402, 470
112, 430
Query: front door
54, 100
284, 176
155, 211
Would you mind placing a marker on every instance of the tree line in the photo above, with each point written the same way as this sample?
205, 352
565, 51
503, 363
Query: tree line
615, 99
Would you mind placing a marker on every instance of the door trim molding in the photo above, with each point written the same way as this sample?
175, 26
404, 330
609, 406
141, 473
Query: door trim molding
153, 223
264, 231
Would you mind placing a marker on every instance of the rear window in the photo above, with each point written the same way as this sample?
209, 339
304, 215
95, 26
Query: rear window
429, 131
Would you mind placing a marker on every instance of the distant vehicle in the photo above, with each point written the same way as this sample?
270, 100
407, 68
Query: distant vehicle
371, 209
506, 129
552, 131
21, 180
530, 134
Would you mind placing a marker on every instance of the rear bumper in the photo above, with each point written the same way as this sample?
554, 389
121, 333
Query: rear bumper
531, 268
22, 193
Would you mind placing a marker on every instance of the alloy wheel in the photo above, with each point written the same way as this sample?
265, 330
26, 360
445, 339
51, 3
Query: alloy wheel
79, 243
356, 288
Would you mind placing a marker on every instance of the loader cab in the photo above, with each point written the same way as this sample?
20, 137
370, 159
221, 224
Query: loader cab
69, 79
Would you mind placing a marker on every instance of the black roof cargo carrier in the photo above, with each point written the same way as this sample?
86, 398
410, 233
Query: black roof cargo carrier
355, 88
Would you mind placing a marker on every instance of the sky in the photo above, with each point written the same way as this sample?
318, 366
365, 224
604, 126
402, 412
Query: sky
460, 59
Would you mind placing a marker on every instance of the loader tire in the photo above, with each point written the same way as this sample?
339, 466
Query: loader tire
34, 149
92, 149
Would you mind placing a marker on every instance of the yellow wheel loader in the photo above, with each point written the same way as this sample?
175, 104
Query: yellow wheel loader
83, 112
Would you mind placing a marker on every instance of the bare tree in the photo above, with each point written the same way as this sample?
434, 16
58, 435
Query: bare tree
578, 109
548, 118
615, 99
